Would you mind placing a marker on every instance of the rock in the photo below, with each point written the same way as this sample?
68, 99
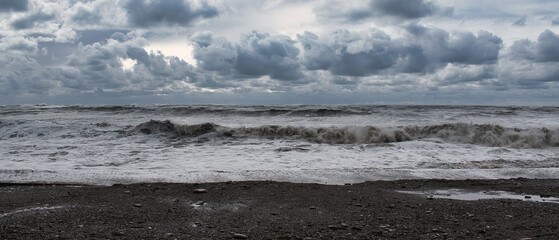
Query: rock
338, 227
137, 205
312, 207
527, 197
239, 236
200, 190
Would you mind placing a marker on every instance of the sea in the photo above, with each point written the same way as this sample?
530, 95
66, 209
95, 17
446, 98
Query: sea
327, 144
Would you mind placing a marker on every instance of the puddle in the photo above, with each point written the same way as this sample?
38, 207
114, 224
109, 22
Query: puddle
468, 195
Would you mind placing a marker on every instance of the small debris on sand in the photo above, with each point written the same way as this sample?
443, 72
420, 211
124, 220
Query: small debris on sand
200, 190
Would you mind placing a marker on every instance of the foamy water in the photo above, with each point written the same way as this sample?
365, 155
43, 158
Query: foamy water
323, 144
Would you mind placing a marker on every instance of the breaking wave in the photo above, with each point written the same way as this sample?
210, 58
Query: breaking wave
478, 134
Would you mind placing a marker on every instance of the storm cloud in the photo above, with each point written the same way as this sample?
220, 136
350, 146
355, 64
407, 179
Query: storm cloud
255, 55
545, 49
394, 9
13, 5
521, 22
349, 54
144, 13
409, 9
328, 51
84, 16
424, 50
31, 20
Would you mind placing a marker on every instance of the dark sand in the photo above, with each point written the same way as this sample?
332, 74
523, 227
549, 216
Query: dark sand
272, 210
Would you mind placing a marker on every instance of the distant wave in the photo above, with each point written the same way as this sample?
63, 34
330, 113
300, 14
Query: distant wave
286, 110
479, 134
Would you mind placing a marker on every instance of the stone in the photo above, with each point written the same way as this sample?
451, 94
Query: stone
239, 236
338, 227
200, 190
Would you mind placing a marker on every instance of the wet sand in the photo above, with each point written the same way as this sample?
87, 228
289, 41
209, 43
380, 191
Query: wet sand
276, 210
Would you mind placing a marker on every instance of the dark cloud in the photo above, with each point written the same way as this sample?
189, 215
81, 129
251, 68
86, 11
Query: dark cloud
466, 75
408, 9
254, 56
54, 53
521, 22
215, 54
555, 21
13, 5
470, 49
413, 60
30, 21
441, 47
524, 49
166, 12
425, 50
396, 9
86, 17
88, 37
99, 66
546, 49
532, 64
359, 14
159, 66
349, 54
95, 66
20, 75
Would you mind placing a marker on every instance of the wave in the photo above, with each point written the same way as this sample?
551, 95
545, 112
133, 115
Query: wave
288, 110
479, 134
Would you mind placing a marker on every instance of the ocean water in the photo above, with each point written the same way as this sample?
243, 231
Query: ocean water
322, 144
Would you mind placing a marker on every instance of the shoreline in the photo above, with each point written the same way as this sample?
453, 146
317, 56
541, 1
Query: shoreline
277, 210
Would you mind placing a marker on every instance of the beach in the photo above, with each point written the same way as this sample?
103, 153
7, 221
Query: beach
279, 172
279, 210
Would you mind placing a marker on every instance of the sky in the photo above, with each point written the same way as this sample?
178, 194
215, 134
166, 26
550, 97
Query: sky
462, 52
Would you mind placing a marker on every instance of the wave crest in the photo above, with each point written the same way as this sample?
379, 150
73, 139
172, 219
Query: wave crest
479, 134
